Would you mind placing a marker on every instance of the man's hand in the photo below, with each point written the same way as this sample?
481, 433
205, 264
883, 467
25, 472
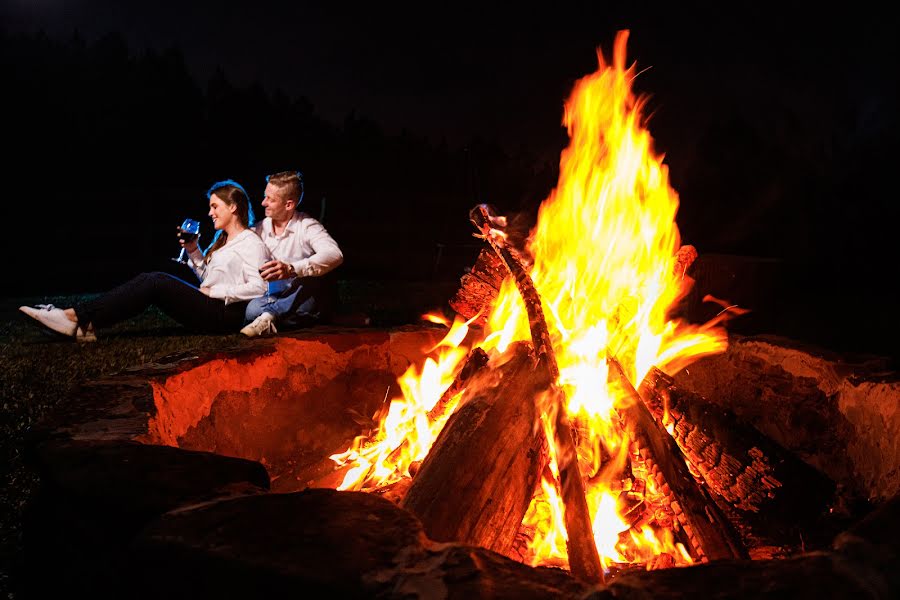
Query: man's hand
205, 291
275, 269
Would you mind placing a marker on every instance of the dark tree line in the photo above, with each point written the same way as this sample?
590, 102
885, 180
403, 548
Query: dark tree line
110, 150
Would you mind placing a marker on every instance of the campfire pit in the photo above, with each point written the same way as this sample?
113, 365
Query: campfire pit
117, 508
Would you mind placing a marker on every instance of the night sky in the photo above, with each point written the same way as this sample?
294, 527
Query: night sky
461, 69
778, 124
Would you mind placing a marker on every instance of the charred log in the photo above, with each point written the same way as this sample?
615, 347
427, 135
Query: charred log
711, 535
477, 481
479, 288
584, 560
515, 264
770, 494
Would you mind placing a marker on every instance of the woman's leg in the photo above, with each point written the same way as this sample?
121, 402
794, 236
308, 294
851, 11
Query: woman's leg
178, 299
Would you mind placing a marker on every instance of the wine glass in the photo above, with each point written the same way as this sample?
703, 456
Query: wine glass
188, 231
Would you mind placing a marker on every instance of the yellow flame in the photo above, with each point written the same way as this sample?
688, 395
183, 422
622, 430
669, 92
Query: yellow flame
604, 265
406, 433
604, 251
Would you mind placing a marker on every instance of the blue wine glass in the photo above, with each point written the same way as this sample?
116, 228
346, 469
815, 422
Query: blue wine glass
188, 231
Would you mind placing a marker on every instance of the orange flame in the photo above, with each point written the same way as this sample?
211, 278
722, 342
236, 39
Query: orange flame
405, 434
604, 265
604, 250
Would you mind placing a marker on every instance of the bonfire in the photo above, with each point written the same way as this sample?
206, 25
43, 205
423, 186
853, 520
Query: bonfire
586, 307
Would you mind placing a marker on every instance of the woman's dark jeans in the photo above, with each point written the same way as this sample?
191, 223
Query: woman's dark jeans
177, 298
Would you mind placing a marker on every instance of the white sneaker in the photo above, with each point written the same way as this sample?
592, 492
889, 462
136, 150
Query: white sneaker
264, 324
52, 318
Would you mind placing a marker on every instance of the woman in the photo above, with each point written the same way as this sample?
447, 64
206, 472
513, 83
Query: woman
228, 271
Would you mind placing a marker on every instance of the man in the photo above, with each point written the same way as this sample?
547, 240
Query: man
303, 253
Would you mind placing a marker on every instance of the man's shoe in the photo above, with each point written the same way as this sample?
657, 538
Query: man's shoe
52, 318
264, 324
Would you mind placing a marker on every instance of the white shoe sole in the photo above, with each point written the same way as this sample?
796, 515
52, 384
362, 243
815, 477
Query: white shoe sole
250, 330
64, 328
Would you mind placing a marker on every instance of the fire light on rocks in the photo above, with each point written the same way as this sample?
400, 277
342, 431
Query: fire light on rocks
604, 264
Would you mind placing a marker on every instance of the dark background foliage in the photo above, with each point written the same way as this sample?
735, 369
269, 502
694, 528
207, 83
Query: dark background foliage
778, 125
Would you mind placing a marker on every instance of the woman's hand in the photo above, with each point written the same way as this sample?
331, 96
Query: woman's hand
190, 246
205, 291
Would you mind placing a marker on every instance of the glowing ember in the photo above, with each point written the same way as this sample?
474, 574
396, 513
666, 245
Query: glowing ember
604, 250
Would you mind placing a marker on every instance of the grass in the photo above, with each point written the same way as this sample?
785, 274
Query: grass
39, 371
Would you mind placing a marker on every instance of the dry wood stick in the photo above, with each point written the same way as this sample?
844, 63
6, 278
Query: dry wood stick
476, 360
484, 221
584, 561
709, 531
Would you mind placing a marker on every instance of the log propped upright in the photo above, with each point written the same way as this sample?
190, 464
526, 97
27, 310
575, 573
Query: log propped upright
477, 481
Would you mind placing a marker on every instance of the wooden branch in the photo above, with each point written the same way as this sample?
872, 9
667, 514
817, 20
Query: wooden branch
711, 534
476, 360
584, 560
515, 264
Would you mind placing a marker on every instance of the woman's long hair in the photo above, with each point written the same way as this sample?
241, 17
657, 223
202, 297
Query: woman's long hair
233, 194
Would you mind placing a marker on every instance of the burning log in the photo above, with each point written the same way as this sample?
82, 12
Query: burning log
584, 560
684, 258
770, 493
478, 479
476, 360
479, 288
711, 534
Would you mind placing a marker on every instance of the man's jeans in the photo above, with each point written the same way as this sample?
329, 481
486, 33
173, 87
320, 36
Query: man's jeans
298, 305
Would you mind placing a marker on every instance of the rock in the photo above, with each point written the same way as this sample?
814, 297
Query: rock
322, 543
95, 496
841, 414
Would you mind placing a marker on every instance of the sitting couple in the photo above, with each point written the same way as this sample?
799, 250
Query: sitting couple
252, 276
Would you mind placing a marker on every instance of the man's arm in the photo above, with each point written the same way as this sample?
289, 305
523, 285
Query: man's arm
326, 256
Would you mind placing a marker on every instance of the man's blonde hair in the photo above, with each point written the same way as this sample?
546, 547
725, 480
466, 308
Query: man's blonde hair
290, 182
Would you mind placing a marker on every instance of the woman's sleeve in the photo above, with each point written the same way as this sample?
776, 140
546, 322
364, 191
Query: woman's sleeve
197, 263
